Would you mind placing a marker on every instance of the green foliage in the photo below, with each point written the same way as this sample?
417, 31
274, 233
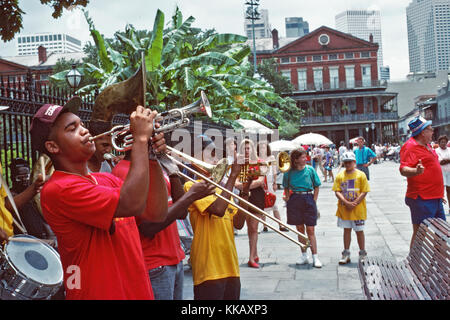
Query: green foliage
268, 69
181, 61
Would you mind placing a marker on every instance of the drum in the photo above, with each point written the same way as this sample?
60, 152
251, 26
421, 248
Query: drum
29, 269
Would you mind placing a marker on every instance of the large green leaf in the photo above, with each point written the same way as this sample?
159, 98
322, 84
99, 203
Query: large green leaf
153, 56
177, 37
220, 40
207, 58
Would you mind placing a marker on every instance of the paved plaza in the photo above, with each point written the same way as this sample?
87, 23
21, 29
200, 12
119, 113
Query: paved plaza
388, 233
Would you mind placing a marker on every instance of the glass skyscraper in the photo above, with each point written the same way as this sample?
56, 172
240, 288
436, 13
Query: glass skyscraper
428, 35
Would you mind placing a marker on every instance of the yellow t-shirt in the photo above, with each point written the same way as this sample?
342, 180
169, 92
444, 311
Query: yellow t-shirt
6, 219
213, 251
351, 186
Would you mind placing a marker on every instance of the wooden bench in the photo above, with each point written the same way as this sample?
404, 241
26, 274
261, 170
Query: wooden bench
423, 275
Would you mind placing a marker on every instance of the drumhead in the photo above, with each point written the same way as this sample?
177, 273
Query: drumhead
35, 260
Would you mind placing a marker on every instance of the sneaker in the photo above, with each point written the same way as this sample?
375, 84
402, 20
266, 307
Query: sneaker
362, 255
317, 263
302, 260
345, 257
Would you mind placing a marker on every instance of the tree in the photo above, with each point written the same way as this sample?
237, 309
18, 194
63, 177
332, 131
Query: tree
11, 14
268, 69
181, 61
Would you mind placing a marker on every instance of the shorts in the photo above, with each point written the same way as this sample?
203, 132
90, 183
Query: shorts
301, 210
422, 209
328, 168
446, 178
357, 225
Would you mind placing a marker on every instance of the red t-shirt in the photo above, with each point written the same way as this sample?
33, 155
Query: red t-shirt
80, 213
429, 184
165, 248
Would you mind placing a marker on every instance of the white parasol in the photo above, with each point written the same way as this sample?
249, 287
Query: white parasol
312, 138
251, 126
283, 145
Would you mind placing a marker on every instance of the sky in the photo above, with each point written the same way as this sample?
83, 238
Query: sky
226, 16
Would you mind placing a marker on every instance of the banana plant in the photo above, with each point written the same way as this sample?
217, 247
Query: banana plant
181, 61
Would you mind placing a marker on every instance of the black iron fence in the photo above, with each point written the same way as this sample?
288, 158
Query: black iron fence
24, 98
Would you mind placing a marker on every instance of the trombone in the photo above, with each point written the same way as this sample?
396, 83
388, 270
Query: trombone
219, 167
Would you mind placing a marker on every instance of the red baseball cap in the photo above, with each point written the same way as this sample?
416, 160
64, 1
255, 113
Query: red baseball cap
44, 119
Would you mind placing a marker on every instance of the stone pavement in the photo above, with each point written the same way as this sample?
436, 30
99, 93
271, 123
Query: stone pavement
388, 233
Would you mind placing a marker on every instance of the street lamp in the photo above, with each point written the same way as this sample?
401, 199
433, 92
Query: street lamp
253, 14
372, 125
73, 77
367, 131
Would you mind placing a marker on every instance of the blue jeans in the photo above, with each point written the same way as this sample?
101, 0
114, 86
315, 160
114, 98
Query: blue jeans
167, 282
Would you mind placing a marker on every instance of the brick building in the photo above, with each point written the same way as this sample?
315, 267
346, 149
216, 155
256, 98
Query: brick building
15, 69
335, 76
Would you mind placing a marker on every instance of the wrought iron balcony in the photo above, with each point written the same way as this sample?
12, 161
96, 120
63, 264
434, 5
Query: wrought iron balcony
364, 117
341, 85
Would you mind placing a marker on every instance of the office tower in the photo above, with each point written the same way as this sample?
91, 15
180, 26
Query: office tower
385, 73
362, 24
296, 27
262, 26
53, 42
428, 35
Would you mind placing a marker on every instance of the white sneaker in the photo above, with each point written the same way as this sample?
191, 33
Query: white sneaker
362, 255
302, 260
345, 257
317, 263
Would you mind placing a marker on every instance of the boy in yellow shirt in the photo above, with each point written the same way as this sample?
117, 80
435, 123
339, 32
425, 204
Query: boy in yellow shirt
351, 187
214, 260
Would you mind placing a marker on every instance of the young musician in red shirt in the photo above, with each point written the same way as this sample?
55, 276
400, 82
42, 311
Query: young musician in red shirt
92, 214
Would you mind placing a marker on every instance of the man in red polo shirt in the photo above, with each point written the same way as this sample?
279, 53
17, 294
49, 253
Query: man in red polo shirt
92, 214
419, 163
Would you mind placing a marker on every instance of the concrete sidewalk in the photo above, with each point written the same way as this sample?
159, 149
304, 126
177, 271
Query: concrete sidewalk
388, 233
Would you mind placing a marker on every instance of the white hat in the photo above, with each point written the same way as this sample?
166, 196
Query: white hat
348, 156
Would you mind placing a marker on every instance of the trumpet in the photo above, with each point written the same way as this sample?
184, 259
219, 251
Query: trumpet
253, 171
169, 121
221, 167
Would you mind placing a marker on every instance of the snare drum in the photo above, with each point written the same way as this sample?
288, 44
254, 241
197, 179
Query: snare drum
29, 269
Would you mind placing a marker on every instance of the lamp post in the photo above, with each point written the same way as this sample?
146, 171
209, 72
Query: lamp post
253, 14
372, 126
367, 131
73, 77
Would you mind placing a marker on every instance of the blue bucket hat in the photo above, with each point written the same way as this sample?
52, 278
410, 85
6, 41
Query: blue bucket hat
417, 125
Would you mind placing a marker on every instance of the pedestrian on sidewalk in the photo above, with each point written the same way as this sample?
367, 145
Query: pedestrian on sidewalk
328, 165
301, 186
351, 187
364, 156
443, 153
419, 163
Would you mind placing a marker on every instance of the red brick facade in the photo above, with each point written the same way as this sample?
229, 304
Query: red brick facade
335, 80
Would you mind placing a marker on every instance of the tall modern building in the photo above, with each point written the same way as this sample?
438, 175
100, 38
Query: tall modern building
296, 27
53, 42
362, 24
262, 26
428, 35
385, 73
